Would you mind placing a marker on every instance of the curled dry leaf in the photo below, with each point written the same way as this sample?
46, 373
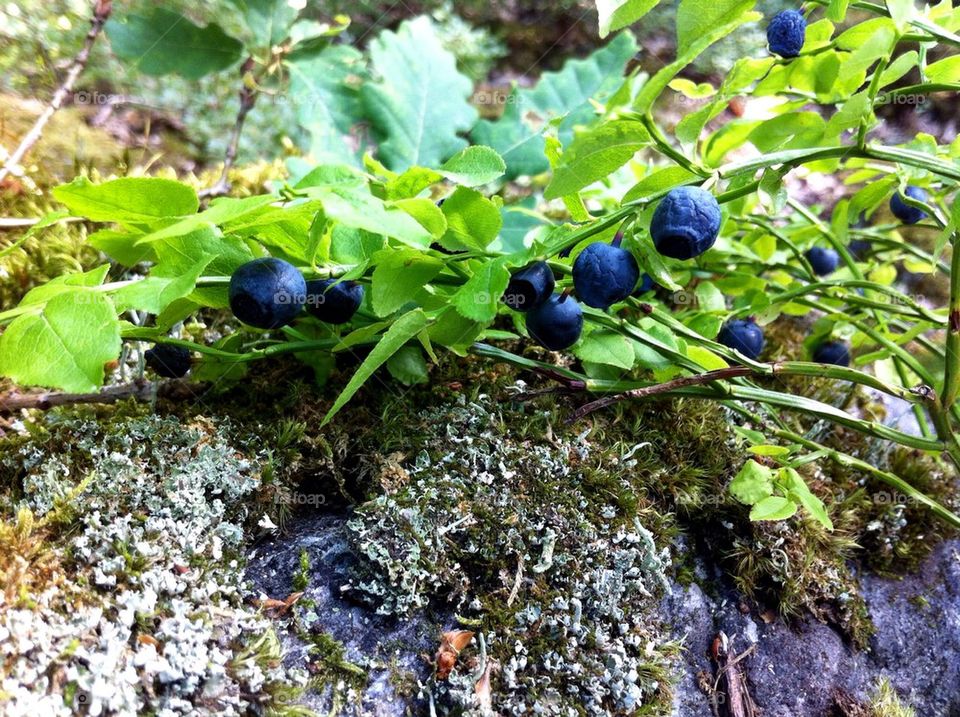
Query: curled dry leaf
451, 643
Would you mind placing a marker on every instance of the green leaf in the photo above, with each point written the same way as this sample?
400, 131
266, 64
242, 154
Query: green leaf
606, 347
364, 211
399, 275
658, 182
65, 283
427, 214
268, 20
166, 42
752, 484
697, 35
474, 166
329, 100
454, 331
706, 358
802, 494
650, 260
567, 93
421, 103
479, 298
698, 18
401, 331
181, 254
65, 345
128, 200
837, 10
618, 14
161, 288
945, 70
595, 154
773, 508
408, 366
473, 221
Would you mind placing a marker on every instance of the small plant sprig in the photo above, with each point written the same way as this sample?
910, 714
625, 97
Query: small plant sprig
342, 257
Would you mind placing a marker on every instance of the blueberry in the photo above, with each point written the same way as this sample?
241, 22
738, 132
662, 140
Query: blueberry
529, 287
168, 360
822, 261
332, 301
267, 293
742, 335
833, 352
903, 211
859, 249
604, 274
685, 223
556, 324
785, 33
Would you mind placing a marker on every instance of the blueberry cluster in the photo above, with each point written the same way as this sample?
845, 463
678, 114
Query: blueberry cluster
269, 293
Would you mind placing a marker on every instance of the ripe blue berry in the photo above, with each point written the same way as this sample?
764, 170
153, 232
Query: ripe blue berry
556, 324
742, 335
529, 287
267, 293
332, 301
604, 274
832, 352
859, 249
785, 33
168, 361
903, 211
822, 261
685, 223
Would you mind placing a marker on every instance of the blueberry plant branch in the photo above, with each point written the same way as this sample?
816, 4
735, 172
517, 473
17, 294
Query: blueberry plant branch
101, 13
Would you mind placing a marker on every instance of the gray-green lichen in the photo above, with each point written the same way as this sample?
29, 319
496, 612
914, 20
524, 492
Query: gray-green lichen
540, 540
142, 519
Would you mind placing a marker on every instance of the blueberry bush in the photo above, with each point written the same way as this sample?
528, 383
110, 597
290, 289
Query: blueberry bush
652, 257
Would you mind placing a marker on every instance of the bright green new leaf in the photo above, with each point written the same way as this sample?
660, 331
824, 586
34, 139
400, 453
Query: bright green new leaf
421, 103
479, 298
399, 275
698, 18
473, 221
945, 70
166, 42
401, 331
128, 200
617, 14
752, 484
773, 508
65, 345
474, 166
608, 348
802, 494
595, 154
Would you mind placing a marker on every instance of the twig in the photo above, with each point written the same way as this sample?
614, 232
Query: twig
101, 12
14, 401
708, 377
248, 98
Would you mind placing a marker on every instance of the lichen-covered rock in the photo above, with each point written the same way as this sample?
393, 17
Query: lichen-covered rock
143, 520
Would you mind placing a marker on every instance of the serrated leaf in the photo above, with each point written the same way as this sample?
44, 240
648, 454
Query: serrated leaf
166, 42
473, 221
408, 366
474, 166
800, 492
268, 20
65, 345
753, 483
618, 14
399, 275
567, 93
128, 200
479, 298
606, 347
421, 103
595, 154
401, 331
773, 508
329, 100
697, 18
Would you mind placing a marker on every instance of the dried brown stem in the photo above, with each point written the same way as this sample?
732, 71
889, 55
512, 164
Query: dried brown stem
248, 98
